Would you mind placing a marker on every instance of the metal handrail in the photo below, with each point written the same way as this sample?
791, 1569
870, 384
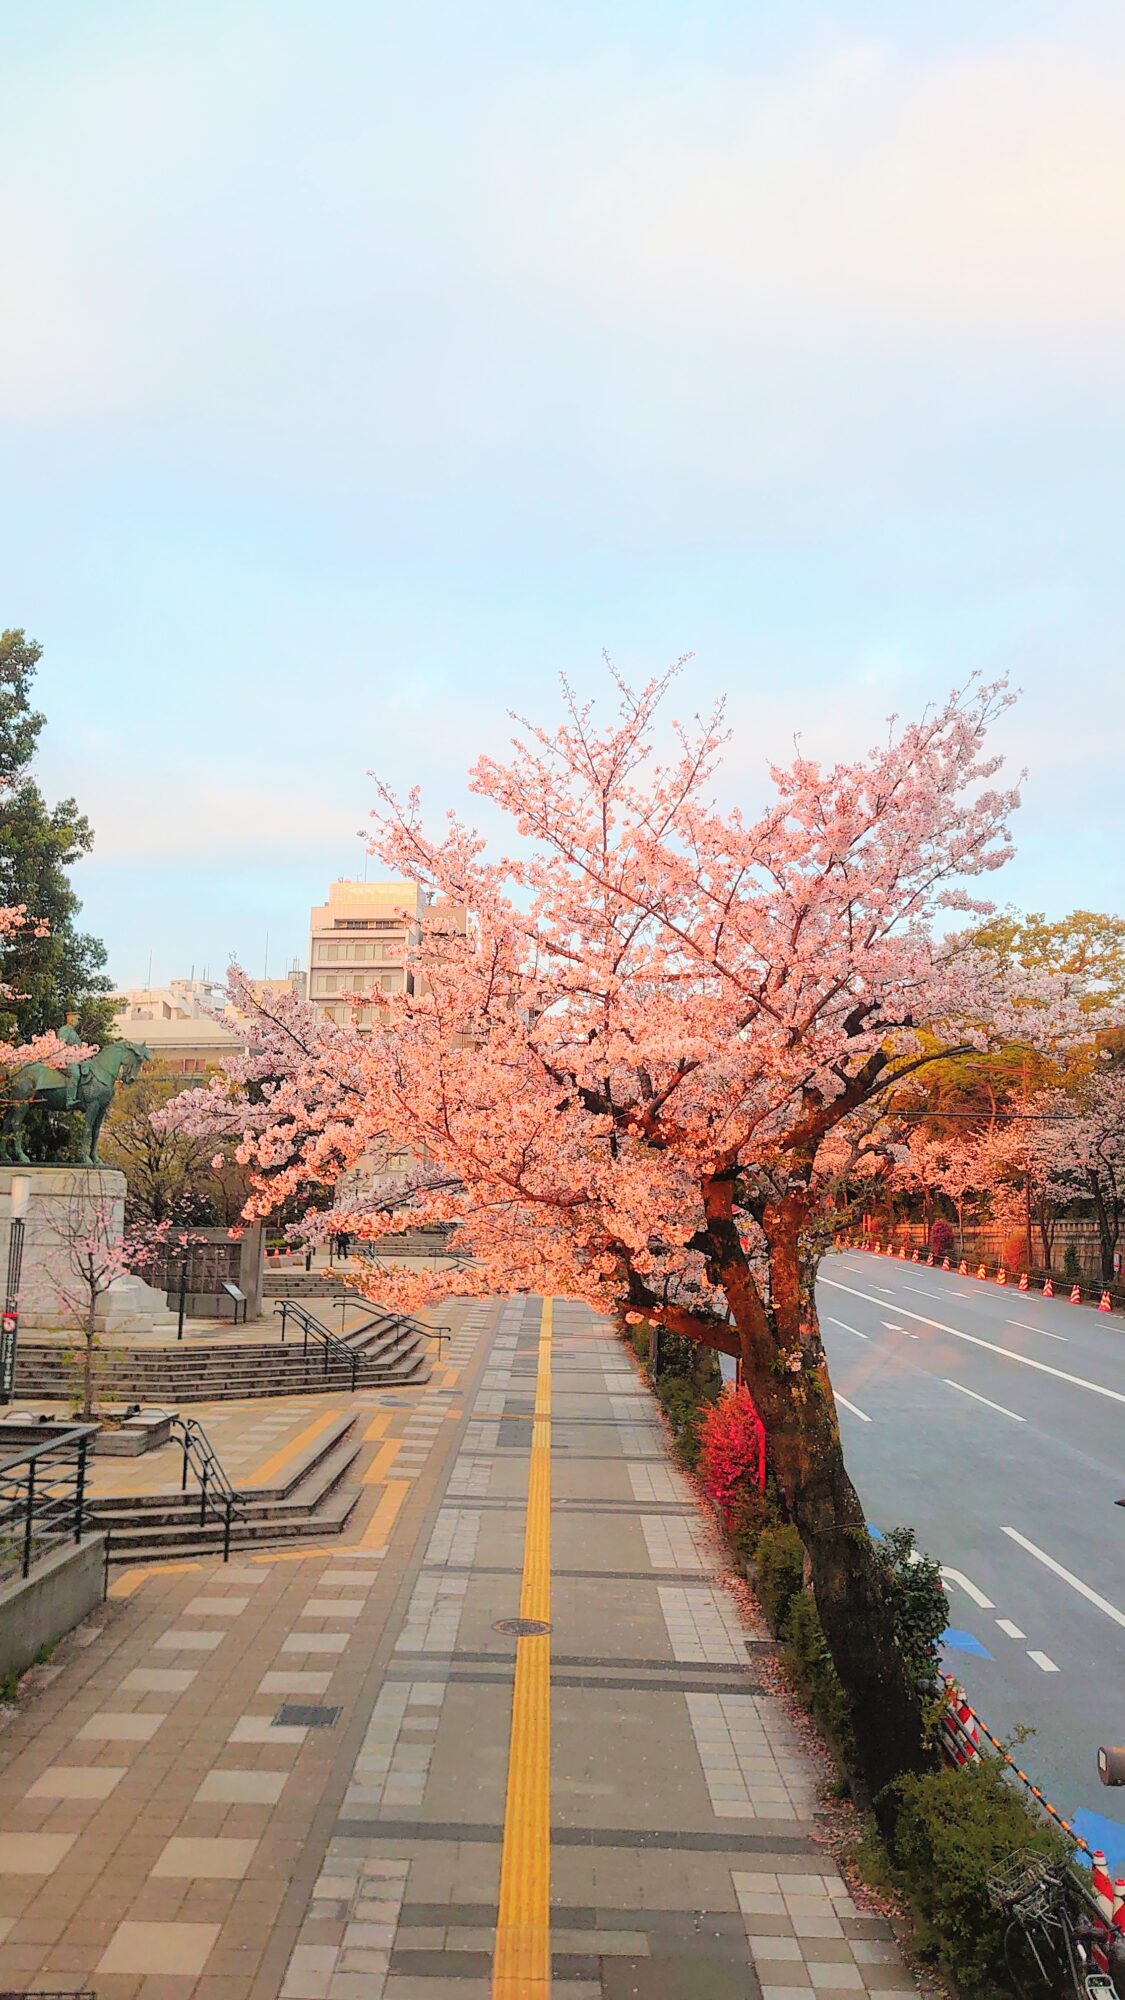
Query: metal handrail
43, 1498
199, 1453
310, 1326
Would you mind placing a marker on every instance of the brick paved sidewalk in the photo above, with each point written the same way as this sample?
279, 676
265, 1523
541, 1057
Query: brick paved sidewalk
294, 1775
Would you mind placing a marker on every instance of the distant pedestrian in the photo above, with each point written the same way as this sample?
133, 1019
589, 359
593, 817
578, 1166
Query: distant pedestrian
345, 1244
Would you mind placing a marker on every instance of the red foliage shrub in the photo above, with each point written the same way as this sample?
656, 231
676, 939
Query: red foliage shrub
1015, 1253
941, 1237
731, 1451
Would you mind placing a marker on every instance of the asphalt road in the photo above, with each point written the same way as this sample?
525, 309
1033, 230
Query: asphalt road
993, 1423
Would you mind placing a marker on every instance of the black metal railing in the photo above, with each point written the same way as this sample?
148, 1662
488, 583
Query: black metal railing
334, 1350
217, 1496
43, 1498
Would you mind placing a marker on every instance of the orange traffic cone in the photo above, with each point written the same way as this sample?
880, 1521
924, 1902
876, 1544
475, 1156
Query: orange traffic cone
945, 1263
914, 1259
1119, 1903
1076, 1296
902, 1254
980, 1271
1048, 1289
1104, 1304
1023, 1281
1002, 1275
875, 1247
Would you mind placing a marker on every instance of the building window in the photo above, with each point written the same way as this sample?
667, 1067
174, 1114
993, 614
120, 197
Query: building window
325, 982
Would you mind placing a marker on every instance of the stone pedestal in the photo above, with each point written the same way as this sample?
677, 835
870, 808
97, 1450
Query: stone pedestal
62, 1200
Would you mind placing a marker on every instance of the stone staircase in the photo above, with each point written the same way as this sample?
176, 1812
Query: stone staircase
313, 1500
389, 1354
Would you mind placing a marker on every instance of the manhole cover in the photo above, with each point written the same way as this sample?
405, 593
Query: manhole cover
520, 1628
301, 1715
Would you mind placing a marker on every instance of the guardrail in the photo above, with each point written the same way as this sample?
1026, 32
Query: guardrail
216, 1494
334, 1349
43, 1498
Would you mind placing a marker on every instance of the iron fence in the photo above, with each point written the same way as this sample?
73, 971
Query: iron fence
43, 1498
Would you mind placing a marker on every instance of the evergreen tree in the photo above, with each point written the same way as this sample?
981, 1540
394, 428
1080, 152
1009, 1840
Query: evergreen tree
61, 971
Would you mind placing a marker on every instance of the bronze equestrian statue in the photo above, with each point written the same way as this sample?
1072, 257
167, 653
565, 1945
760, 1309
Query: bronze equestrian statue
87, 1087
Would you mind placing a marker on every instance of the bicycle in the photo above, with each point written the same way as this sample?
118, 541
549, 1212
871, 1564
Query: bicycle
1066, 1938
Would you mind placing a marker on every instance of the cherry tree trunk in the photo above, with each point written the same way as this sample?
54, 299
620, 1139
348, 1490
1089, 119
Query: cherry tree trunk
91, 1341
852, 1600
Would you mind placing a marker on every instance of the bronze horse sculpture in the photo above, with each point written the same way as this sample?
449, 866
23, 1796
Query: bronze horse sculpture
38, 1083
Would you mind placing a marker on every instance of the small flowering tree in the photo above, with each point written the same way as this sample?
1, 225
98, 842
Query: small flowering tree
97, 1252
618, 1079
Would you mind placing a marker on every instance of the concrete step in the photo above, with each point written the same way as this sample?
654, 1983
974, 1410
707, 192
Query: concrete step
311, 1500
154, 1542
157, 1378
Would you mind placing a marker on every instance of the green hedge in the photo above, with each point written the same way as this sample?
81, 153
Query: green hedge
954, 1829
779, 1573
805, 1652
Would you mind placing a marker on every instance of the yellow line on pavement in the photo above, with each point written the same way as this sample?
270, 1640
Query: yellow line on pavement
383, 1519
295, 1446
130, 1580
378, 1427
381, 1463
521, 1964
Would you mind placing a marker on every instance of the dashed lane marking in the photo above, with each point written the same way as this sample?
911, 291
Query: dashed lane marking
1009, 1626
990, 1347
847, 1329
855, 1410
1067, 1575
1045, 1331
986, 1400
1042, 1660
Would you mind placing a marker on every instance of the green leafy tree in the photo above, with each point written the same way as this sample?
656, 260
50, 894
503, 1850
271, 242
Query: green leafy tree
62, 971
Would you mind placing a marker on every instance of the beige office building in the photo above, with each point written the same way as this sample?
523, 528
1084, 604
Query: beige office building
358, 941
177, 1022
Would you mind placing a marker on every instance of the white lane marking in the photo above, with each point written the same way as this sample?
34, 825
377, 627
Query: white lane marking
1067, 1575
893, 1326
970, 1589
923, 1291
1047, 1335
861, 1414
1023, 1360
987, 1400
846, 1327
1042, 1660
1011, 1628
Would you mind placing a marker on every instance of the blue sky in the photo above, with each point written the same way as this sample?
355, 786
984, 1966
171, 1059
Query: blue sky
364, 366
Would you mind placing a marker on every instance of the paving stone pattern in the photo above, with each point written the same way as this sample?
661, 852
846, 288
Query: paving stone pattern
287, 1776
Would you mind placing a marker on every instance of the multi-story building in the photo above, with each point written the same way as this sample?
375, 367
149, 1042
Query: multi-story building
177, 1022
359, 941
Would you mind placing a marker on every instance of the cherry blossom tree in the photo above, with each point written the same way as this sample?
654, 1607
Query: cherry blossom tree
1080, 1136
45, 1048
618, 1080
95, 1253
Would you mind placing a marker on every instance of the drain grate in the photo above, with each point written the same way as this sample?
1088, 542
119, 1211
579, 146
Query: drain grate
521, 1628
305, 1715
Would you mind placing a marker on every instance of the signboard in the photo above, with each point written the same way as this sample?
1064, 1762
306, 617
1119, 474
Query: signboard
239, 1297
9, 1328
